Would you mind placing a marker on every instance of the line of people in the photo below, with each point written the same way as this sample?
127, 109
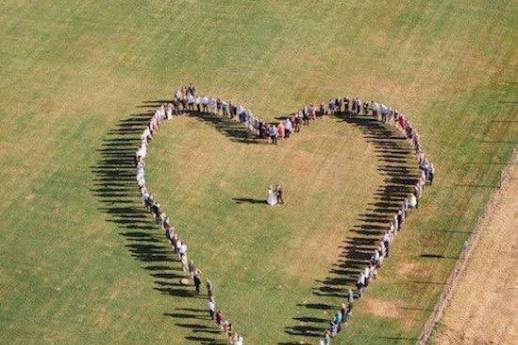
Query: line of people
186, 100
179, 247
383, 114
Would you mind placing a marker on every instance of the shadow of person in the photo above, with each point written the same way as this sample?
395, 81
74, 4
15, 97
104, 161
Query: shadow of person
248, 201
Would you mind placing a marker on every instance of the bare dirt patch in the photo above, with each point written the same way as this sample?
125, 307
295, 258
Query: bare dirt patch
483, 307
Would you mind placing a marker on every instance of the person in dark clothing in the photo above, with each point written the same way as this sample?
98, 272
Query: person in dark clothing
210, 288
197, 281
280, 193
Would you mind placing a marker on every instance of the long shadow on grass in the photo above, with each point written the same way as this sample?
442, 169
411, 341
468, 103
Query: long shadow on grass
397, 164
232, 129
115, 187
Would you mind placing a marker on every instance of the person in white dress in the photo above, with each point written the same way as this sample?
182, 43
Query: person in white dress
272, 196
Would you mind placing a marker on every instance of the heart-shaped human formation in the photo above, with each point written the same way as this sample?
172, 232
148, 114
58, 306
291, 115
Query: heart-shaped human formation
186, 101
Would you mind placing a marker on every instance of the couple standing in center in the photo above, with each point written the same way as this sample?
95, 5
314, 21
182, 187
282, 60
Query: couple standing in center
275, 195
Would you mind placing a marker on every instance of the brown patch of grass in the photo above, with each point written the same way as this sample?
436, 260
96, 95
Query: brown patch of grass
410, 269
380, 308
407, 316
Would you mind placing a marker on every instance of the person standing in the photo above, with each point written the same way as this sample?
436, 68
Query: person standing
349, 311
280, 130
305, 117
174, 241
211, 305
197, 103
280, 193
272, 196
192, 268
347, 101
327, 338
230, 330
412, 201
343, 312
205, 104
273, 134
197, 281
178, 246
386, 243
220, 319
182, 250
288, 127
339, 318
360, 284
185, 263
209, 288
333, 328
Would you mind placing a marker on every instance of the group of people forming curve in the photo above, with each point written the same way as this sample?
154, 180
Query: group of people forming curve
186, 101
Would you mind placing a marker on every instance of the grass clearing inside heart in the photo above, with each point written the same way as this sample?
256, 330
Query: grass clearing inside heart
263, 260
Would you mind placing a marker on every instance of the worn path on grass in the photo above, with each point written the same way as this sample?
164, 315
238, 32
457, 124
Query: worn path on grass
483, 307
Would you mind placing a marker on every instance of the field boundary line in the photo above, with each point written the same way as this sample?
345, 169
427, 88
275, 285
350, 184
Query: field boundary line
460, 266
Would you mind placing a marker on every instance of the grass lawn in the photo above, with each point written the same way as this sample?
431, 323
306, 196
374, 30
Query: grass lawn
81, 263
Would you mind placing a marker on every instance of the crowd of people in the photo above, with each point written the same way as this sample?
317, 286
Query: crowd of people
186, 101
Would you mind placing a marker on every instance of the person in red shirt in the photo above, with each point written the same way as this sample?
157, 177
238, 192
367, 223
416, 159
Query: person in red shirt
220, 319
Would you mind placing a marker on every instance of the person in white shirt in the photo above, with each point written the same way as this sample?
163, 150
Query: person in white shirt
183, 249
240, 109
142, 151
185, 263
190, 102
288, 128
178, 246
412, 201
360, 284
161, 112
212, 105
205, 104
169, 111
140, 173
376, 257
141, 183
224, 108
145, 135
211, 305
382, 252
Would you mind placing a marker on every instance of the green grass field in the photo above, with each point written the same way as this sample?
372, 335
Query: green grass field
81, 263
